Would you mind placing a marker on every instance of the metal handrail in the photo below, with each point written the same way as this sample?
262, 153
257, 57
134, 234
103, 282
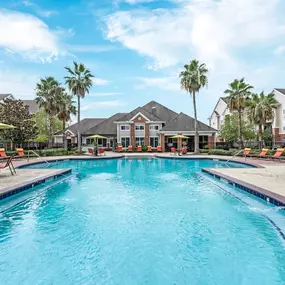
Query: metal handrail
234, 155
37, 156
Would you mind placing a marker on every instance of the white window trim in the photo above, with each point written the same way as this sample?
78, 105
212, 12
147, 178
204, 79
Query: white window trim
140, 126
154, 137
158, 126
128, 126
126, 138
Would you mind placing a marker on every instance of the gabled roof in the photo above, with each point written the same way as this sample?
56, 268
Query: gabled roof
33, 106
130, 115
185, 123
106, 127
3, 96
85, 124
162, 112
281, 90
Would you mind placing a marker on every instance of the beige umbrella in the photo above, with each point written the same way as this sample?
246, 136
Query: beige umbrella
5, 127
179, 137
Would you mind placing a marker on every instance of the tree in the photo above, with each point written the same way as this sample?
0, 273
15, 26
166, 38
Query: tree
79, 82
261, 109
238, 92
230, 130
66, 109
43, 125
193, 78
14, 112
47, 93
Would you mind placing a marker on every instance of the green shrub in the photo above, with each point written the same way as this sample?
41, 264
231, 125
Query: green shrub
144, 148
204, 151
219, 152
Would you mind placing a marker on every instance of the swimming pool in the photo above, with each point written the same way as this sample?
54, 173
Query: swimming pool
130, 221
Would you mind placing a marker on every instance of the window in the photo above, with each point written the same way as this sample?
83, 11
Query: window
125, 141
139, 127
125, 128
154, 141
89, 141
154, 127
139, 141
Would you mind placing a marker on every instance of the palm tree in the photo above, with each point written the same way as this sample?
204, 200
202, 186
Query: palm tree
238, 92
79, 82
66, 108
261, 109
46, 97
193, 78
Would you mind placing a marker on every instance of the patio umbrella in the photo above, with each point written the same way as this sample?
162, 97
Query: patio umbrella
96, 137
5, 127
179, 137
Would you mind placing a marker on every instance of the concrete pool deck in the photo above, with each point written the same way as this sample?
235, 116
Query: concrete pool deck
268, 178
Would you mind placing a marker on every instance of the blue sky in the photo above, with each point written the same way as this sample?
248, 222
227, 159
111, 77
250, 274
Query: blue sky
136, 48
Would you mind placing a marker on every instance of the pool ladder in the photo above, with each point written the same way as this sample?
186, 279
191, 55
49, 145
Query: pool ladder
37, 156
235, 155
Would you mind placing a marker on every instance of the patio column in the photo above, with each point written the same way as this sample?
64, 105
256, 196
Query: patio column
162, 142
132, 133
211, 141
146, 135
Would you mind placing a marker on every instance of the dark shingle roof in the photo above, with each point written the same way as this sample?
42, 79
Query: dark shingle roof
281, 90
85, 125
3, 96
225, 99
185, 123
33, 106
130, 115
160, 111
106, 127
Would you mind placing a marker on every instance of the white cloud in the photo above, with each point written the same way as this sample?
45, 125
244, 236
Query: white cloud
104, 104
170, 83
18, 82
207, 29
28, 36
41, 12
103, 94
100, 81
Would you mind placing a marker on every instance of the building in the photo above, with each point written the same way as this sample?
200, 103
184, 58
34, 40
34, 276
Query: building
151, 125
278, 125
221, 109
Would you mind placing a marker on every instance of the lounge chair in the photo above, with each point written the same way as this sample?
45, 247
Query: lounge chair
130, 148
173, 150
246, 152
91, 151
9, 165
20, 152
149, 149
159, 148
184, 150
278, 153
101, 151
119, 148
139, 148
3, 153
263, 153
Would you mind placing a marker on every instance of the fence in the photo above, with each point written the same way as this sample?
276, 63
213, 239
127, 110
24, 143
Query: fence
34, 145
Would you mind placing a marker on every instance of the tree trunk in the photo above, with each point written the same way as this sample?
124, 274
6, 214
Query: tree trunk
240, 128
78, 123
64, 135
260, 136
50, 132
197, 149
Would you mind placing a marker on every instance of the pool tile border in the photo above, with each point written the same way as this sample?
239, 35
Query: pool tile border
12, 190
273, 198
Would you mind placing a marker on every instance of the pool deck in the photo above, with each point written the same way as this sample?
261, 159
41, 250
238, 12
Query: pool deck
268, 178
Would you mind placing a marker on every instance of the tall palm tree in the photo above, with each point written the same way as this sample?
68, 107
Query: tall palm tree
261, 109
193, 78
79, 82
238, 92
66, 108
46, 97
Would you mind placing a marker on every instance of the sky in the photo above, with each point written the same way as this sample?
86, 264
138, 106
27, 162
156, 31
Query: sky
137, 48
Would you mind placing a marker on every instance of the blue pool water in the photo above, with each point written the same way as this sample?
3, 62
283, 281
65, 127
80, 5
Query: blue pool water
129, 222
